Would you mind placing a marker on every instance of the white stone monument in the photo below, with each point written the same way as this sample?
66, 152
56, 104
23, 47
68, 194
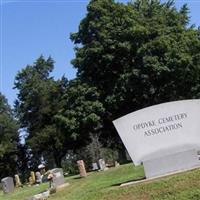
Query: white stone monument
102, 164
165, 138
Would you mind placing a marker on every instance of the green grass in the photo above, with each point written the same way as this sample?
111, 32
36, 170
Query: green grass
104, 186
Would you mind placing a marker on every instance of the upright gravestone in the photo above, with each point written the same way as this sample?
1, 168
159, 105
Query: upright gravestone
58, 177
7, 185
102, 164
38, 177
116, 164
81, 167
95, 166
33, 177
164, 137
42, 169
17, 181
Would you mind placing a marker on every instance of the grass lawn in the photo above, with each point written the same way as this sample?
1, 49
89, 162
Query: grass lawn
104, 186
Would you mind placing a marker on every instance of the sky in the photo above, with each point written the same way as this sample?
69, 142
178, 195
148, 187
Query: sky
30, 28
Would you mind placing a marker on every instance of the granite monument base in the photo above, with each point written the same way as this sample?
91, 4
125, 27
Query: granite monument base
171, 163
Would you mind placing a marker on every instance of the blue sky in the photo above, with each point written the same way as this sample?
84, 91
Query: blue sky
31, 28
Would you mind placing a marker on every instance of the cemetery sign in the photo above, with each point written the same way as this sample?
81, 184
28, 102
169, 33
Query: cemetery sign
162, 131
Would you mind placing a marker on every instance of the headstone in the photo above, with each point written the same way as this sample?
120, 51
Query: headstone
57, 178
116, 164
30, 181
41, 167
81, 167
164, 137
38, 177
33, 177
95, 166
102, 164
17, 181
7, 185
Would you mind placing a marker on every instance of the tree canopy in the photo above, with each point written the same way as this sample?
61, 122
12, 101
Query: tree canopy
80, 114
138, 54
37, 103
8, 139
57, 115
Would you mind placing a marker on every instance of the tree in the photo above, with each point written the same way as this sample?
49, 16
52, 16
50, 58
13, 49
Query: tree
37, 104
80, 114
9, 139
58, 115
138, 54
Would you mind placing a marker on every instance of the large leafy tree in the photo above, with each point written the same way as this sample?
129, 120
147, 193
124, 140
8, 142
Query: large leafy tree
80, 114
38, 102
57, 115
138, 54
9, 139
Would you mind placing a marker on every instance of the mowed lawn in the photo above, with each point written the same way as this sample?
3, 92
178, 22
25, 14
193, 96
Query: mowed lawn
105, 186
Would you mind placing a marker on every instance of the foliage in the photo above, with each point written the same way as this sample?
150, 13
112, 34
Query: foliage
36, 107
80, 114
138, 54
110, 155
8, 139
58, 115
69, 163
95, 150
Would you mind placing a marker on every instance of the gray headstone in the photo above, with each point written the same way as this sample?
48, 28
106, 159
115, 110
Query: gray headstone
7, 185
102, 164
95, 166
171, 163
58, 177
38, 177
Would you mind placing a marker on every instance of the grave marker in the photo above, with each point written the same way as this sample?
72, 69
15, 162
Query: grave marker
81, 167
7, 185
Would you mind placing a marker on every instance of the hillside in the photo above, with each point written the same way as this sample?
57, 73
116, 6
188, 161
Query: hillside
105, 186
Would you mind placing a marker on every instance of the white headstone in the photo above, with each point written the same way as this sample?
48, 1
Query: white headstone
95, 166
38, 177
102, 164
162, 130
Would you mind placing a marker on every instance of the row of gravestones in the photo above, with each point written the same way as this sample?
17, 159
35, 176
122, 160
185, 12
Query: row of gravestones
101, 165
8, 186
57, 178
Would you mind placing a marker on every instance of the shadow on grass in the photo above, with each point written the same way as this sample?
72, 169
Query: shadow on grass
133, 180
